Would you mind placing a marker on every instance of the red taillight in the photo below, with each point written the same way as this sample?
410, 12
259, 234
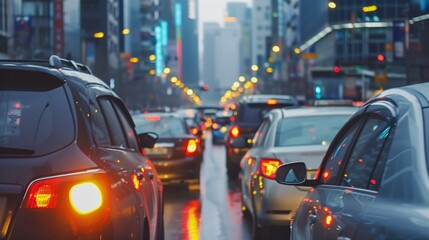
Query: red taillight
234, 132
43, 194
269, 167
153, 118
192, 147
272, 102
194, 131
81, 193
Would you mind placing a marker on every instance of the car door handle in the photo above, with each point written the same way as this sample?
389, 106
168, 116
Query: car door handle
312, 218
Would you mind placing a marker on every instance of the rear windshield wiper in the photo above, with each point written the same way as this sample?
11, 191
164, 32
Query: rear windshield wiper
16, 151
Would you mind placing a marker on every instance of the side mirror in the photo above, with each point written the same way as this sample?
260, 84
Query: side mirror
293, 174
148, 139
239, 142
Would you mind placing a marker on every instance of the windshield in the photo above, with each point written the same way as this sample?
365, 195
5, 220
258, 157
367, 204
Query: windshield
163, 126
30, 121
317, 130
253, 113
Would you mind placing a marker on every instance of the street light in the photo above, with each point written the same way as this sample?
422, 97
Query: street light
125, 31
99, 35
276, 49
332, 5
134, 60
297, 51
241, 79
254, 67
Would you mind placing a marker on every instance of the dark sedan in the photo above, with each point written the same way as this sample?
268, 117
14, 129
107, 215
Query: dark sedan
177, 154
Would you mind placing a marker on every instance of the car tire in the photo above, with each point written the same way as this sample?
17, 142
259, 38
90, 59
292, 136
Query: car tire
160, 233
260, 233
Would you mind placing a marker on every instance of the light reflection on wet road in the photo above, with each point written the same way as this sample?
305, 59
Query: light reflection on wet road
211, 212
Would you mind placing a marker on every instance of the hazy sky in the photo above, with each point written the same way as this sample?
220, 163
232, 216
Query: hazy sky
213, 11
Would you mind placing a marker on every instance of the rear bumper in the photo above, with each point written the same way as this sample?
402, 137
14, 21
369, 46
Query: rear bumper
275, 204
178, 169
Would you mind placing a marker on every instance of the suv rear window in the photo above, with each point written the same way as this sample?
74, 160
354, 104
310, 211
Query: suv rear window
315, 130
163, 126
253, 113
34, 121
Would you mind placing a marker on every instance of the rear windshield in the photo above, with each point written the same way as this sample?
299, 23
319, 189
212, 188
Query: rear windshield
163, 126
222, 120
34, 121
317, 130
253, 113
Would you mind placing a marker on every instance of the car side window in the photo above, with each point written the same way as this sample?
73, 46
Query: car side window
261, 133
366, 152
333, 165
99, 127
130, 133
113, 124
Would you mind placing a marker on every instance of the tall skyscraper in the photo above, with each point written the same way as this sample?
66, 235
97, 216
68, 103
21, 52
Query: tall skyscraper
261, 30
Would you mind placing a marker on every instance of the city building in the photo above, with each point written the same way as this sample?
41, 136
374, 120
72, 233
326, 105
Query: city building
100, 37
348, 44
187, 37
221, 56
209, 74
261, 31
239, 12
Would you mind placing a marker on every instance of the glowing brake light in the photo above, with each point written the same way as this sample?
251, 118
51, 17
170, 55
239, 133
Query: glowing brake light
234, 132
85, 197
43, 194
153, 118
80, 193
272, 102
191, 147
269, 167
194, 131
329, 220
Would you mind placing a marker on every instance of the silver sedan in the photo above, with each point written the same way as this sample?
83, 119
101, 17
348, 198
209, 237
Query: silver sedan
285, 135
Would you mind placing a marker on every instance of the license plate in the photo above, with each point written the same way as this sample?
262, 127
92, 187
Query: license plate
156, 151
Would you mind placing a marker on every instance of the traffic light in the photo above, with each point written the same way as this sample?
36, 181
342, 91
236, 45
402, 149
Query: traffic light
337, 69
204, 87
318, 92
380, 58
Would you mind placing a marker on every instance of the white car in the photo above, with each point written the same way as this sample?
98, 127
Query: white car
285, 135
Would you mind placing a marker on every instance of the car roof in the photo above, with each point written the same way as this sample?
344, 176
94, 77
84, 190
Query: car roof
161, 114
62, 69
262, 98
316, 111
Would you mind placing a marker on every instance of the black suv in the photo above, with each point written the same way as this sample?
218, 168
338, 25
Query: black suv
250, 111
71, 164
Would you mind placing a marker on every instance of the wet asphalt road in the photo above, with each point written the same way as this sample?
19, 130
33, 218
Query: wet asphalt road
210, 210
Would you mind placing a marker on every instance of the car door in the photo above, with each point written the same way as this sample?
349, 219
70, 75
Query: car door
334, 209
249, 161
119, 158
145, 173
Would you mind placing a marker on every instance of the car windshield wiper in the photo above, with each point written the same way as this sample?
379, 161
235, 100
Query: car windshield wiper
16, 151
